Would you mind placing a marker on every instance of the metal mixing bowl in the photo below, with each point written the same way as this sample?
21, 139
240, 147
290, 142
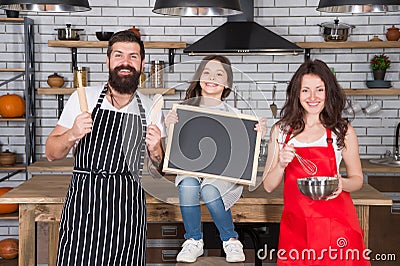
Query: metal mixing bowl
317, 187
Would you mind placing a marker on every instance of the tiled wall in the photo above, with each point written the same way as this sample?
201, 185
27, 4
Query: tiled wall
293, 19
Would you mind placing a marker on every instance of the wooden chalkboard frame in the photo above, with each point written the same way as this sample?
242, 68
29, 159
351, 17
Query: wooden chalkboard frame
208, 114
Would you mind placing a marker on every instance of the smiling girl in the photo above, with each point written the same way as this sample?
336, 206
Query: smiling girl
210, 86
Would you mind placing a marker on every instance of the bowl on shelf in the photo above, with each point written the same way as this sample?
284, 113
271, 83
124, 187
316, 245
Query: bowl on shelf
104, 35
7, 158
317, 187
378, 83
55, 80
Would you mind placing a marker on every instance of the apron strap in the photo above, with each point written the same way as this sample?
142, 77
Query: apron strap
102, 95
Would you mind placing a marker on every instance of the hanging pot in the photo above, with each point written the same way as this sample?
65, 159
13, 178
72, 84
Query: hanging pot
335, 32
68, 33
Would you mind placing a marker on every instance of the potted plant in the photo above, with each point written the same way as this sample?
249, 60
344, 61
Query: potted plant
379, 64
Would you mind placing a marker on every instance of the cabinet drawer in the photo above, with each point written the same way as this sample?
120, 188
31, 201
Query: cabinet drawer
165, 231
162, 255
385, 183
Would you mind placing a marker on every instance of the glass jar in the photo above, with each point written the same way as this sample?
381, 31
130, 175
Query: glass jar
80, 73
156, 74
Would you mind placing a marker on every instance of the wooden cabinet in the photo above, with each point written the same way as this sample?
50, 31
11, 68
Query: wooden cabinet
164, 241
384, 229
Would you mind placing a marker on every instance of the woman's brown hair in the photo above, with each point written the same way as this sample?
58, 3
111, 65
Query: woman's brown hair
194, 89
292, 113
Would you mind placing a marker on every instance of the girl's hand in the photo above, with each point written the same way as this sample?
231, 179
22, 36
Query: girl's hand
171, 118
286, 155
262, 126
339, 189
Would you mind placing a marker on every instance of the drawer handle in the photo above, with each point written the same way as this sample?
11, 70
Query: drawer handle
169, 230
169, 255
395, 207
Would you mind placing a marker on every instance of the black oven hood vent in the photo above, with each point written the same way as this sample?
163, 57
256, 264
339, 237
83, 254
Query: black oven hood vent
242, 38
241, 35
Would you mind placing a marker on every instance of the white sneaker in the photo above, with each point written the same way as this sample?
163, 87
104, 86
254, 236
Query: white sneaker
233, 250
191, 249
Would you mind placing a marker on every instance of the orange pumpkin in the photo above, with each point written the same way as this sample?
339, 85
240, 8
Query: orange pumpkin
7, 208
9, 248
12, 105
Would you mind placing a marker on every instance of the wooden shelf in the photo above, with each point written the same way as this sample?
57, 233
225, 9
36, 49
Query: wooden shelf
12, 69
15, 167
102, 44
343, 45
372, 91
15, 20
18, 119
67, 91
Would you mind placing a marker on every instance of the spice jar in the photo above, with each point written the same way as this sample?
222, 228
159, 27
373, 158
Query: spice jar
156, 74
80, 74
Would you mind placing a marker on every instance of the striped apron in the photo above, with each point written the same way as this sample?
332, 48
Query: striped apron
104, 217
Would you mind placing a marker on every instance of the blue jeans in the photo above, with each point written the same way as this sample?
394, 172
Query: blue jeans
190, 192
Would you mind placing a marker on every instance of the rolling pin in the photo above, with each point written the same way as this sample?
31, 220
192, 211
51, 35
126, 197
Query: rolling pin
82, 95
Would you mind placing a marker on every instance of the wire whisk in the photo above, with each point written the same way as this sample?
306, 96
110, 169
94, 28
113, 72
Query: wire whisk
308, 166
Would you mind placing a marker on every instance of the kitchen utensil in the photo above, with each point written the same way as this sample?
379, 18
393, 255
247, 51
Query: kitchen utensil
82, 95
68, 33
308, 166
335, 32
317, 187
274, 108
158, 103
104, 35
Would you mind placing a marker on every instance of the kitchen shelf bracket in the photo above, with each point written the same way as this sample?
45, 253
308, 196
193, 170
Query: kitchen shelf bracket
12, 79
307, 54
171, 59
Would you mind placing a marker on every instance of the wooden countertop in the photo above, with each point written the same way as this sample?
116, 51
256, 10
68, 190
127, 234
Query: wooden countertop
66, 165
53, 188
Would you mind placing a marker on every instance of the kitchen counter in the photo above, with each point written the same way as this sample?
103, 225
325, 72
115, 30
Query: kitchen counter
41, 199
66, 165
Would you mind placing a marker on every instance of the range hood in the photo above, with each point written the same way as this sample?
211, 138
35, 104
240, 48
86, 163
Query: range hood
241, 35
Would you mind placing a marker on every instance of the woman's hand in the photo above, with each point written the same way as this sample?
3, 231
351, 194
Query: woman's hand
262, 126
286, 155
82, 125
171, 118
339, 189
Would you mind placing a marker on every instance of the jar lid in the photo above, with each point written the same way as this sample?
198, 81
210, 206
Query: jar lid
80, 68
157, 62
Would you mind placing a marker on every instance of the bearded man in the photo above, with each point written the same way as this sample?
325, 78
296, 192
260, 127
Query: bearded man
104, 216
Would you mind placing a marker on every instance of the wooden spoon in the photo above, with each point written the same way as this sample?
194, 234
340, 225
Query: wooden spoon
274, 108
82, 94
158, 103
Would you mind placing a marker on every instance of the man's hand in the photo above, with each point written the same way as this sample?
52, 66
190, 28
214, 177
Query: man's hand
82, 125
153, 142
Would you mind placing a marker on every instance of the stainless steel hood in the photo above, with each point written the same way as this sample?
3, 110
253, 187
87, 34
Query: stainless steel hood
241, 35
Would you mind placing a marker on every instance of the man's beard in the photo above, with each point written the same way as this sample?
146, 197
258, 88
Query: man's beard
125, 84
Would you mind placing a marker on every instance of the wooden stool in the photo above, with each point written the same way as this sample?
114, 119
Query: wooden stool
210, 261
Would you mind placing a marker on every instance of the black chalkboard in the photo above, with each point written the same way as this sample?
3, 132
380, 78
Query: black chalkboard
213, 144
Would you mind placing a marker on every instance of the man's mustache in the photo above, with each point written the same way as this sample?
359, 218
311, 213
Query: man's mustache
131, 69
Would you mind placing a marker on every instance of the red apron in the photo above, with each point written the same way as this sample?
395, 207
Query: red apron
318, 232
